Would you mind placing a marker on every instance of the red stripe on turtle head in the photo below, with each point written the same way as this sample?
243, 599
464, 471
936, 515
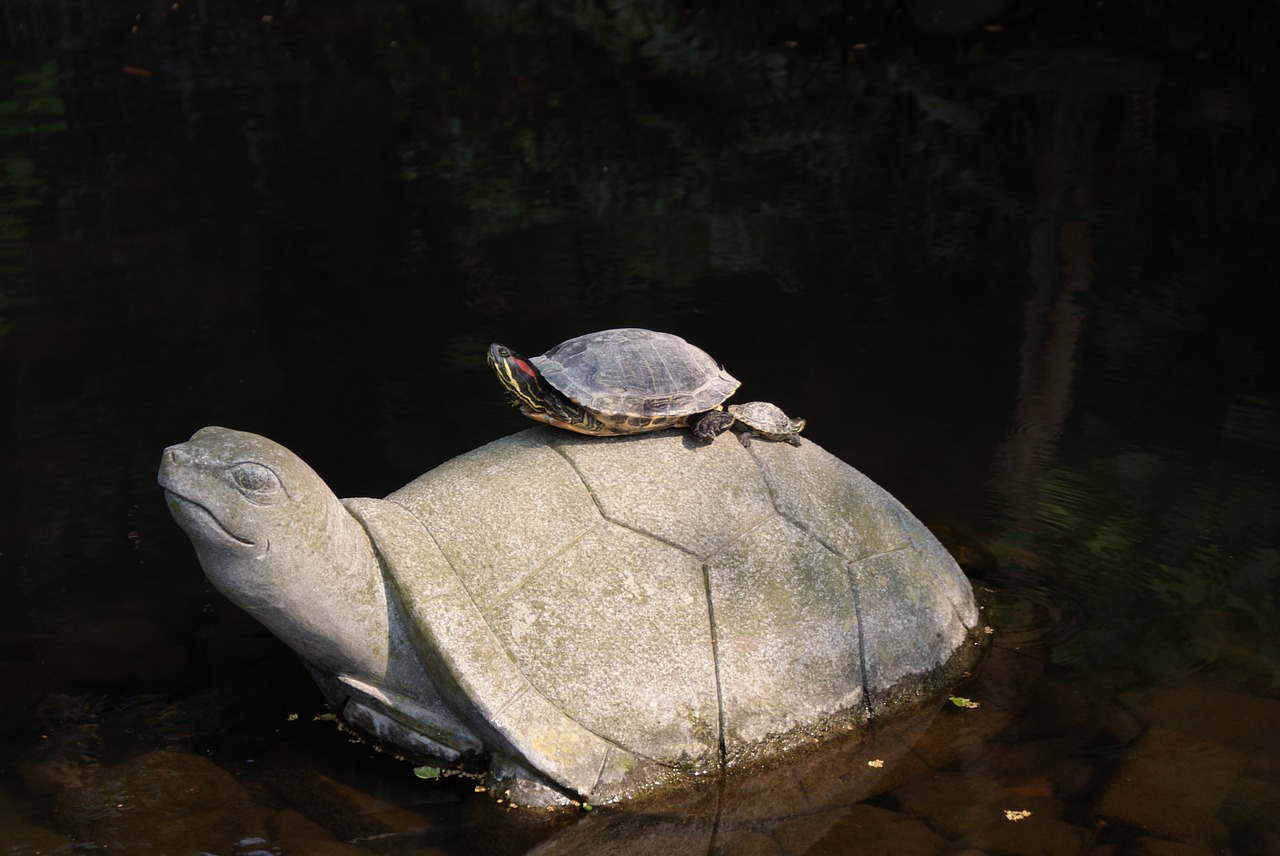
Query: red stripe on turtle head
524, 366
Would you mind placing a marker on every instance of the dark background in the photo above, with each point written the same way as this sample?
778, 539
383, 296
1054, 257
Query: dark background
1015, 261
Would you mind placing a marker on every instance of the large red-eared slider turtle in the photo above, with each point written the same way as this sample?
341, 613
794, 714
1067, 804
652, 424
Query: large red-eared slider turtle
623, 381
586, 616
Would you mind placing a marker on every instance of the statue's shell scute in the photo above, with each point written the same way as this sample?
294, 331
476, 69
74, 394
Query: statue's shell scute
615, 632
699, 499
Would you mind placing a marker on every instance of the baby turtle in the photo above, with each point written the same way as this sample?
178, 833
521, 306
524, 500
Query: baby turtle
755, 417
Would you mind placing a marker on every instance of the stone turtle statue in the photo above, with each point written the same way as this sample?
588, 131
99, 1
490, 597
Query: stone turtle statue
591, 618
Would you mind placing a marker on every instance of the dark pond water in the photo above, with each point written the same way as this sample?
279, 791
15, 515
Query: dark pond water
1016, 262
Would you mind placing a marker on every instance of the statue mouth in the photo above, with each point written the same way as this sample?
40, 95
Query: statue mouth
201, 519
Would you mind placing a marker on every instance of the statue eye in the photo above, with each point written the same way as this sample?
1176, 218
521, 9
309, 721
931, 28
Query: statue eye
255, 480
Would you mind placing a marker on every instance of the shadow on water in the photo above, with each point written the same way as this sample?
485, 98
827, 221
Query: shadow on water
1015, 263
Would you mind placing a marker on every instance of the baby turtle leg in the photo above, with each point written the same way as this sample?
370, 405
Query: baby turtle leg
745, 434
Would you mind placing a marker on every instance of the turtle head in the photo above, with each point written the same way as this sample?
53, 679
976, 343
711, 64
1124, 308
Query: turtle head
274, 539
239, 496
529, 391
519, 378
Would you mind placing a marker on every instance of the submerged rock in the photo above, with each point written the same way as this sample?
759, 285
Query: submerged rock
171, 802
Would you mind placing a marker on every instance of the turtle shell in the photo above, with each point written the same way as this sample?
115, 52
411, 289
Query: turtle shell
617, 612
636, 380
764, 418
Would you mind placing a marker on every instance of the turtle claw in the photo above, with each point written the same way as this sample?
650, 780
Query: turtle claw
712, 424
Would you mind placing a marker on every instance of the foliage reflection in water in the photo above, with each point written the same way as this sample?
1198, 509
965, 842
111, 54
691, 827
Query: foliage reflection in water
920, 228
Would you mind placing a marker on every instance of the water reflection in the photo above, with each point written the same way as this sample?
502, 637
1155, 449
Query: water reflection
1141, 538
30, 109
1130, 536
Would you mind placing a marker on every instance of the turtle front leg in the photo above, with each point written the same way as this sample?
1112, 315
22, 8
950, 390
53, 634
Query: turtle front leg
712, 424
511, 780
